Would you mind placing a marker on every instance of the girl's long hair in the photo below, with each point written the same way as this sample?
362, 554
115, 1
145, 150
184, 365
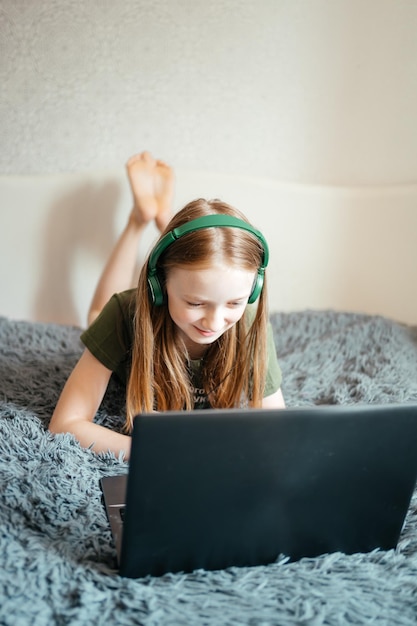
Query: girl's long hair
234, 366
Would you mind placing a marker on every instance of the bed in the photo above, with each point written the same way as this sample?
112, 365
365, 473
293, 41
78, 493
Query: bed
57, 557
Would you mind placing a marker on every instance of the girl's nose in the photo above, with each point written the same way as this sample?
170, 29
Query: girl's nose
213, 320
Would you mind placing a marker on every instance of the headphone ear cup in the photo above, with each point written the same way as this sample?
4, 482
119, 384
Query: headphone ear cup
257, 288
156, 294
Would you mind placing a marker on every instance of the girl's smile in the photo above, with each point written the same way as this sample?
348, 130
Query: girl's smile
205, 303
205, 333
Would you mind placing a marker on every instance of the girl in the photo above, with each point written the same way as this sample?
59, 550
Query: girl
185, 337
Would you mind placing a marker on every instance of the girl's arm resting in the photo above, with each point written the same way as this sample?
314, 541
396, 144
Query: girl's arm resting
78, 404
274, 401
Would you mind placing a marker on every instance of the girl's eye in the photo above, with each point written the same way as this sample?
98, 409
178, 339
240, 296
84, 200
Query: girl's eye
194, 304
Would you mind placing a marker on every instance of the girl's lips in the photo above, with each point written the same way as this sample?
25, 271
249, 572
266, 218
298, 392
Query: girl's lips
205, 333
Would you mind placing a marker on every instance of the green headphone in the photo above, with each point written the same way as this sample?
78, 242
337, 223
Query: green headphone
224, 221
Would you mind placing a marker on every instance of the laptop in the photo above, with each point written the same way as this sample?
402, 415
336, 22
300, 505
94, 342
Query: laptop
213, 489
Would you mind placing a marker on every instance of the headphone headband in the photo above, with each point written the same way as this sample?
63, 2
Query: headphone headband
208, 221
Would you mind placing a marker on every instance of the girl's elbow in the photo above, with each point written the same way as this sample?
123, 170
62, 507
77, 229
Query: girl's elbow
55, 426
59, 423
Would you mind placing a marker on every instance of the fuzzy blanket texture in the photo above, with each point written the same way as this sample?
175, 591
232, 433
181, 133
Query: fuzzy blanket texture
57, 557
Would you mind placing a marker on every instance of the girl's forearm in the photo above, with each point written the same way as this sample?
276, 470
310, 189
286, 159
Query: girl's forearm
99, 438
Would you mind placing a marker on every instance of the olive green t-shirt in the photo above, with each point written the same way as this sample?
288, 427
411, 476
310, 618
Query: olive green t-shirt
110, 340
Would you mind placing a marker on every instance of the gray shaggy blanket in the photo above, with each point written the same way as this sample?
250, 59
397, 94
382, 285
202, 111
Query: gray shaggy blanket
57, 560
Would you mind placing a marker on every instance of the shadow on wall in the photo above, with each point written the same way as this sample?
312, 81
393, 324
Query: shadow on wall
79, 223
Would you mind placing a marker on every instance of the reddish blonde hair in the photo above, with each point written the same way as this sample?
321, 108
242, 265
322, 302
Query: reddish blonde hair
235, 365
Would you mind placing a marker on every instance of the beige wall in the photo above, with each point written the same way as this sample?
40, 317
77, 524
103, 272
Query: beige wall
306, 107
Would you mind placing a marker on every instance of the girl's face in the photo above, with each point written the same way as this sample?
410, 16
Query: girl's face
205, 303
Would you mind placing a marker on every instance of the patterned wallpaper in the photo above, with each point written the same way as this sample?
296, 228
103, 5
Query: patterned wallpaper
271, 88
